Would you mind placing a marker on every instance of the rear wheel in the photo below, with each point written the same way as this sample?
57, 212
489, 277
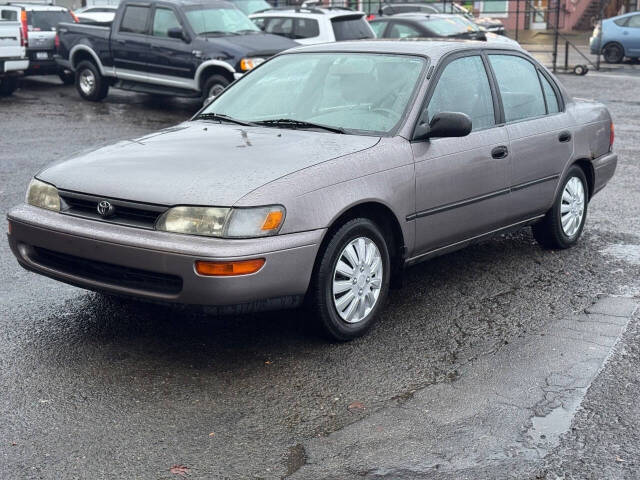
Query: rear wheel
90, 84
8, 85
213, 86
67, 76
613, 53
563, 224
351, 280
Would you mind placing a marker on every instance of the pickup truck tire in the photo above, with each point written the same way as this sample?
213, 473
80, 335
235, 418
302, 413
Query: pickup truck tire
67, 77
213, 86
90, 84
8, 85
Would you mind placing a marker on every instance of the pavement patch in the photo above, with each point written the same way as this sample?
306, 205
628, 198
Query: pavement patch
503, 415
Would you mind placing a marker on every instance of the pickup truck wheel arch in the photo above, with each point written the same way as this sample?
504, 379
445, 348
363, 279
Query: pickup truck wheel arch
81, 53
213, 67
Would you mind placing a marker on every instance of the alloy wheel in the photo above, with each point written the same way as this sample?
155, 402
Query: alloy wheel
572, 206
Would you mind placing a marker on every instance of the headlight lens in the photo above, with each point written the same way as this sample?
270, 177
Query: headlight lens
223, 222
247, 64
43, 195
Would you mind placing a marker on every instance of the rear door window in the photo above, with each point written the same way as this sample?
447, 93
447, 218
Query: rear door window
351, 28
47, 21
135, 19
282, 26
306, 28
550, 95
634, 21
519, 87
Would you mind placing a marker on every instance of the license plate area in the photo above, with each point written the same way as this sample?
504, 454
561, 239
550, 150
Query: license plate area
42, 55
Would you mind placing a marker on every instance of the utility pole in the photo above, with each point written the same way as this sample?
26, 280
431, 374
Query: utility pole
555, 37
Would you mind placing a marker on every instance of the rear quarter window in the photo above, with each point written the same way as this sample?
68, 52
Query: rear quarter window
306, 28
351, 28
46, 21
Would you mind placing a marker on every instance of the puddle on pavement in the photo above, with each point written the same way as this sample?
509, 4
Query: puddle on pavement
546, 431
628, 253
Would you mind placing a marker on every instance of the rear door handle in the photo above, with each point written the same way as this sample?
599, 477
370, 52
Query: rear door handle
500, 152
564, 137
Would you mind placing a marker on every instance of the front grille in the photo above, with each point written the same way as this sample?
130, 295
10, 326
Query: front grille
107, 273
141, 215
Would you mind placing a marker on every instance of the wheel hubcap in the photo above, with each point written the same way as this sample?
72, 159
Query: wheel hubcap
572, 206
87, 81
215, 90
357, 280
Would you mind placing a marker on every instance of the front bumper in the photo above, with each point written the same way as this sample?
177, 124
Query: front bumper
159, 265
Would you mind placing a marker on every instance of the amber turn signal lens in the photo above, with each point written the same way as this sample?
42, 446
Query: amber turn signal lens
273, 220
229, 269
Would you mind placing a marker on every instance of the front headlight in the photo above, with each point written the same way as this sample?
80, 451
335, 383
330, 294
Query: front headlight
223, 222
43, 195
249, 63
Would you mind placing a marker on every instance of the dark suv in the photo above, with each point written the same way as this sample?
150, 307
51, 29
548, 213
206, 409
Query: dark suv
183, 47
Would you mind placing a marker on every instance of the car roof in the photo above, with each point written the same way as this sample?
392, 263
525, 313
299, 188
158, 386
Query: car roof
38, 7
326, 12
425, 47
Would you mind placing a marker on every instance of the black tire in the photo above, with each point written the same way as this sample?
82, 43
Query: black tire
8, 85
613, 53
321, 291
549, 232
67, 77
214, 85
100, 87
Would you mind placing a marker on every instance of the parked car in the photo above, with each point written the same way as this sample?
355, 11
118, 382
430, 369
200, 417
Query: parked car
184, 47
309, 25
96, 14
39, 23
492, 25
620, 38
321, 174
13, 60
418, 25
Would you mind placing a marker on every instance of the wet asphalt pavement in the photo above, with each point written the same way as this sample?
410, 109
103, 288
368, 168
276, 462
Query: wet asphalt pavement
93, 387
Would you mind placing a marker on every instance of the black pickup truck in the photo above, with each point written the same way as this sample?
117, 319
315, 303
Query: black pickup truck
174, 47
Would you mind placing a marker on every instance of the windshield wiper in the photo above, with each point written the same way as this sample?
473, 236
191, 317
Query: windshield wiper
247, 30
222, 118
290, 123
218, 32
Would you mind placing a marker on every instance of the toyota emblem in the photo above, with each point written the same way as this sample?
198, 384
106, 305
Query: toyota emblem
105, 209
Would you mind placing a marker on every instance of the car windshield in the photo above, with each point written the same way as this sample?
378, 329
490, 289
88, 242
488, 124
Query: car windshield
46, 21
446, 27
359, 93
251, 6
219, 21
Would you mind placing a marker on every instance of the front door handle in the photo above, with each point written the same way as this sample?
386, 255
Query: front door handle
500, 152
564, 137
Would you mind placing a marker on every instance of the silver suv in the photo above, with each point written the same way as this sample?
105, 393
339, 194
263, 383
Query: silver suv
39, 24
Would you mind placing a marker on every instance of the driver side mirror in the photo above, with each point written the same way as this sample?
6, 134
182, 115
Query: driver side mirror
444, 124
177, 32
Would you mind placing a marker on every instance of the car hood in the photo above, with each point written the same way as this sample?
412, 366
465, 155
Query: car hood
252, 43
488, 22
198, 163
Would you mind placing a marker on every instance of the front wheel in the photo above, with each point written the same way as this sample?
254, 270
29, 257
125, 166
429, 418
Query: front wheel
213, 86
563, 224
613, 53
351, 280
90, 84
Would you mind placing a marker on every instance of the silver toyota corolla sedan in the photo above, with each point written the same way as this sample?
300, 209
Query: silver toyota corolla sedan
320, 175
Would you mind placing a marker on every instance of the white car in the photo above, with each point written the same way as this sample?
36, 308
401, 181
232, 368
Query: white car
13, 58
97, 14
311, 25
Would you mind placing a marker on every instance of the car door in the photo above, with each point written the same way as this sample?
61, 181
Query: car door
130, 42
461, 183
632, 36
540, 132
171, 60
